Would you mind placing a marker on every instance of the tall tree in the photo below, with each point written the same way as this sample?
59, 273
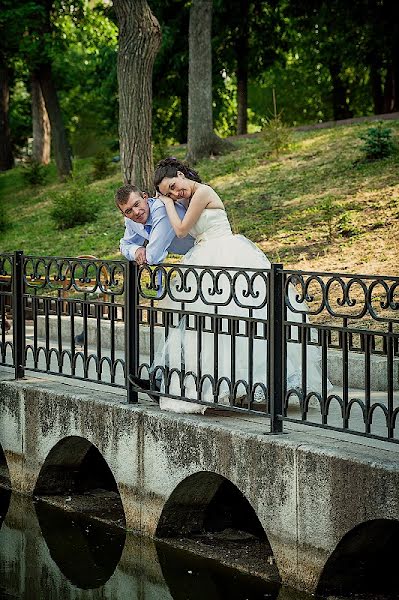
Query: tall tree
139, 41
6, 155
202, 140
41, 129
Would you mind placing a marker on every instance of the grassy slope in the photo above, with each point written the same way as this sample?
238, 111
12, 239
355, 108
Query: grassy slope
316, 207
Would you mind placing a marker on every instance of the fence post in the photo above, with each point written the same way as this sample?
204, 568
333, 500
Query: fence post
18, 314
276, 355
131, 329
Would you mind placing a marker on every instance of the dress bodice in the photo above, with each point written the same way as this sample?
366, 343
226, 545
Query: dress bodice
212, 224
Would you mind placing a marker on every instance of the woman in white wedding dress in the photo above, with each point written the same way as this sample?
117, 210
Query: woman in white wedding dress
228, 356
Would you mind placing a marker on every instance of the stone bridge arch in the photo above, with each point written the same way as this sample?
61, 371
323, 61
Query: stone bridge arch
364, 561
213, 516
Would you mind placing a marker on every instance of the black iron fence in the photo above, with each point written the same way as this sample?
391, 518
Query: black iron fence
319, 349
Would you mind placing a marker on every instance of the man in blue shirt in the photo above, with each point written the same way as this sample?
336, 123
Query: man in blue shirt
149, 236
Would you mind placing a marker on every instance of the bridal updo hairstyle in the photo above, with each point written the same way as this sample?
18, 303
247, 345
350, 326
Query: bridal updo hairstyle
168, 167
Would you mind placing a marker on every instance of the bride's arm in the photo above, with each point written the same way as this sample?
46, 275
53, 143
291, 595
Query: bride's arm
199, 201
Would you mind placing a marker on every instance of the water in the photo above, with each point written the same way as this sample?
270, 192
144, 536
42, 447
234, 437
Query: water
50, 554
47, 554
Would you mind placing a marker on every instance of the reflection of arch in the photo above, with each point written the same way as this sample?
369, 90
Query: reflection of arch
183, 571
4, 472
75, 466
364, 561
212, 513
86, 552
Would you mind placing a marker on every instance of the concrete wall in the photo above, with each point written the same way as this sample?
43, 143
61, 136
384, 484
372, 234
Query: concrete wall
308, 490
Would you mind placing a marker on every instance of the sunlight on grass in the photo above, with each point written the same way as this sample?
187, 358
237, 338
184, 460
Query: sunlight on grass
319, 206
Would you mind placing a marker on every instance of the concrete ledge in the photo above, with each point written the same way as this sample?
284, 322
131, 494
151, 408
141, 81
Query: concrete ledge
379, 378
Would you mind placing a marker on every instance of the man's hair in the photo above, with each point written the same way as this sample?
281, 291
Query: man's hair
122, 194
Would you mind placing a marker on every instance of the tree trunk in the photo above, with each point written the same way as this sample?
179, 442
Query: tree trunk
139, 42
242, 70
6, 155
202, 141
40, 125
340, 107
61, 148
376, 85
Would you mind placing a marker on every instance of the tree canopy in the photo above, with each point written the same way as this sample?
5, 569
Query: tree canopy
324, 60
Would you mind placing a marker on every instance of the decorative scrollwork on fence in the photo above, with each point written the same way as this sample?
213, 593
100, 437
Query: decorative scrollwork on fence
218, 287
343, 296
74, 274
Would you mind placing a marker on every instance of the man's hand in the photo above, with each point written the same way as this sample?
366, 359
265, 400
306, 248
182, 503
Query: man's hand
140, 256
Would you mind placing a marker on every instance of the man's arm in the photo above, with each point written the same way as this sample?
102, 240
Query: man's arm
131, 241
162, 234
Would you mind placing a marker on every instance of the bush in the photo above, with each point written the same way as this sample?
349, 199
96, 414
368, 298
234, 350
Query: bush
101, 165
159, 150
35, 173
277, 135
3, 222
72, 207
378, 142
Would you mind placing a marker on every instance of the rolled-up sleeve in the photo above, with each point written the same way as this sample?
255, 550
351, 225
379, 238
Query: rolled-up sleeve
130, 242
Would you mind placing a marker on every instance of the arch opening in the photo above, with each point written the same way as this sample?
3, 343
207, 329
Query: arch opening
75, 475
364, 561
209, 515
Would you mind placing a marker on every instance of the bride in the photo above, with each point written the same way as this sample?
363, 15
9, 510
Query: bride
228, 363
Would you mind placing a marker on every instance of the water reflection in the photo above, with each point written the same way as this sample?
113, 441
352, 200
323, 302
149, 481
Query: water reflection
49, 553
74, 541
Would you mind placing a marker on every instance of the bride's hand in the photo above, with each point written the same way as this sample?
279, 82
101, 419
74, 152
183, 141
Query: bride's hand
164, 199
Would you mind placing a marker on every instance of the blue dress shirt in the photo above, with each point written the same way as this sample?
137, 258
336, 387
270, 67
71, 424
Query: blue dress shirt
161, 239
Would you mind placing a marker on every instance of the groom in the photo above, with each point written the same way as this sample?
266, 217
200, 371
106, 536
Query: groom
149, 236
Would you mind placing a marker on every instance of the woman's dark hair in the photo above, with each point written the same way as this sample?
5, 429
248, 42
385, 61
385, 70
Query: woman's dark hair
168, 167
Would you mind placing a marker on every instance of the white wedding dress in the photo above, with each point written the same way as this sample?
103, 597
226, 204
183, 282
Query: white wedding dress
238, 361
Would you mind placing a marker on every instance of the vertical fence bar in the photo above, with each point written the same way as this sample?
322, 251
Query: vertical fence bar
275, 355
18, 314
131, 328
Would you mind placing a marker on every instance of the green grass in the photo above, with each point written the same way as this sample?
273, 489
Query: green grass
319, 205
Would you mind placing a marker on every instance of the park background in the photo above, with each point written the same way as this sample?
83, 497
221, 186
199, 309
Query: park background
288, 84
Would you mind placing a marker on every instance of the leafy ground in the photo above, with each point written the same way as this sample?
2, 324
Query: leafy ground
318, 206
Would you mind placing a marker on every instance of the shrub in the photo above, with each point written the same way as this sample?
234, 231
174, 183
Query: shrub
72, 207
276, 134
35, 173
329, 211
378, 142
100, 165
347, 226
3, 222
159, 150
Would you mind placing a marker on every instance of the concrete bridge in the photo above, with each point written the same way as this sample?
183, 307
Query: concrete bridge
324, 506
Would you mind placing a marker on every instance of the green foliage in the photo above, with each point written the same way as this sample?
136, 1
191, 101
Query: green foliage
72, 207
35, 173
328, 211
276, 135
4, 223
101, 165
159, 150
347, 226
378, 142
